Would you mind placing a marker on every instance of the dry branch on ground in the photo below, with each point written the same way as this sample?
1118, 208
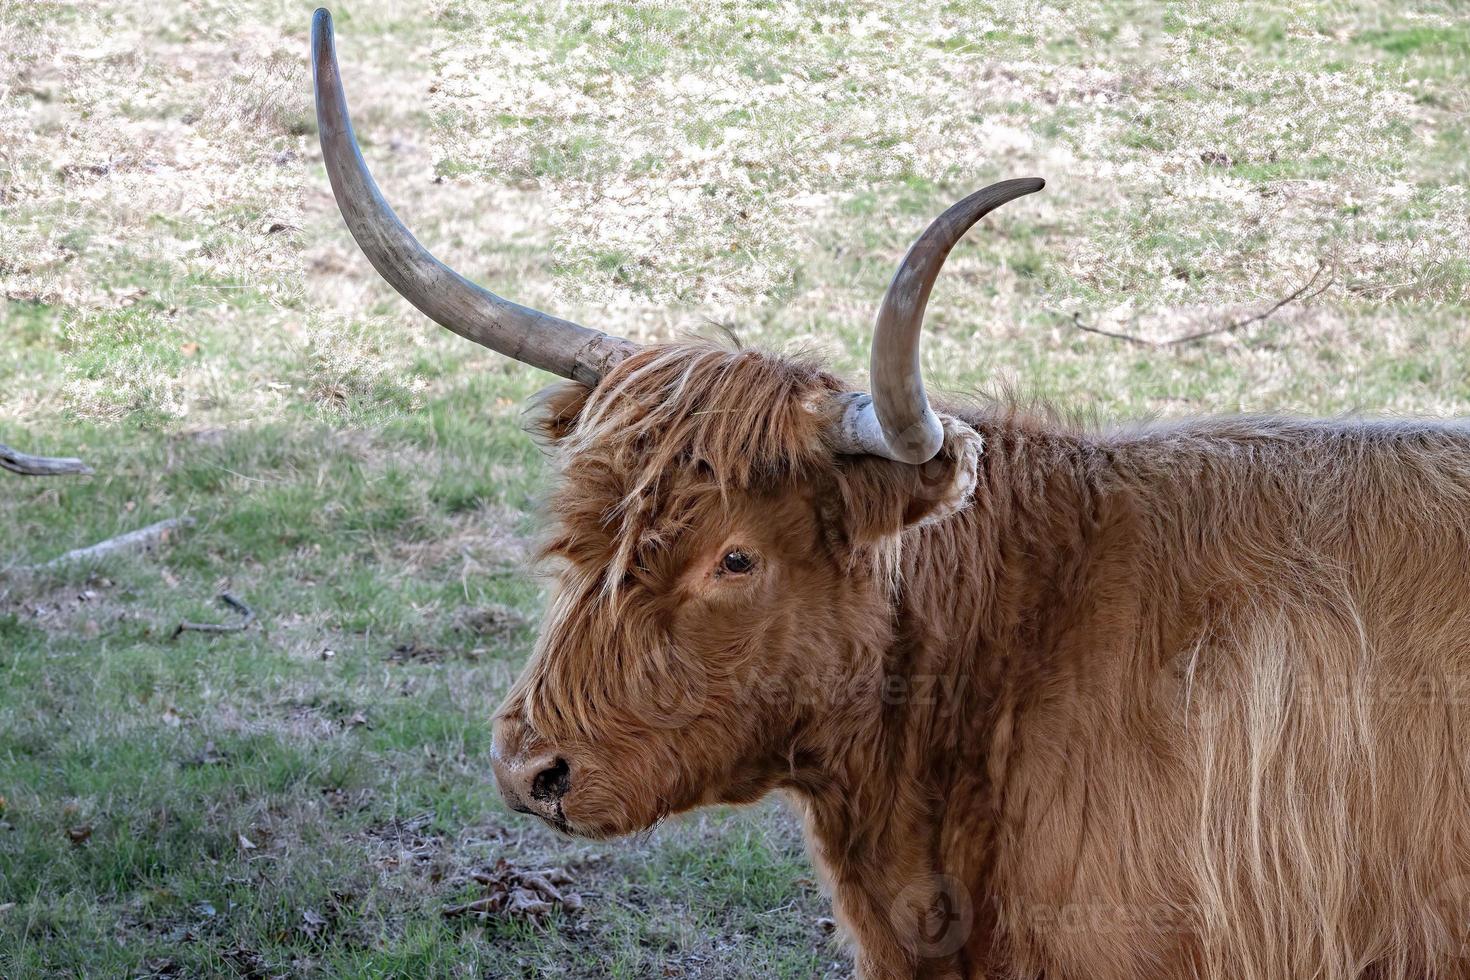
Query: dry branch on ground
246, 613
1300, 293
27, 465
143, 539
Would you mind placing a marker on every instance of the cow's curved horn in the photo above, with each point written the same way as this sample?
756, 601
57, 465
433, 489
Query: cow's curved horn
536, 338
896, 421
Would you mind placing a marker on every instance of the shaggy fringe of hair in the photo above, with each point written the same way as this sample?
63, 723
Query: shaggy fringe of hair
742, 413
738, 418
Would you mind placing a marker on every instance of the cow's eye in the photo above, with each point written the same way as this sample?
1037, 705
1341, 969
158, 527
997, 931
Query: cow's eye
737, 563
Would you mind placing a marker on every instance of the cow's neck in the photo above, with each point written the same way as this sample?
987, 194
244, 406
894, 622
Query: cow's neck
918, 778
872, 820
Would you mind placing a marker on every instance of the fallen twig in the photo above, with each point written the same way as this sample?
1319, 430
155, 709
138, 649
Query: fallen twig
27, 465
1300, 293
247, 614
1126, 337
142, 539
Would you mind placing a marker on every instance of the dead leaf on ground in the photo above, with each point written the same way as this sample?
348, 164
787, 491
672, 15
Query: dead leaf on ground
517, 894
79, 834
162, 966
246, 844
406, 843
415, 653
494, 621
312, 922
342, 801
247, 962
208, 756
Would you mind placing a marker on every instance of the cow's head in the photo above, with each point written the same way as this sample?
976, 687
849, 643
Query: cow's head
724, 531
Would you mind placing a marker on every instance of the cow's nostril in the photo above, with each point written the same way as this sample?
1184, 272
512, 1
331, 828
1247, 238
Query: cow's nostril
552, 783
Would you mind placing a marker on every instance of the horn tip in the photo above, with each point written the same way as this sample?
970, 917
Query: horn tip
323, 45
321, 24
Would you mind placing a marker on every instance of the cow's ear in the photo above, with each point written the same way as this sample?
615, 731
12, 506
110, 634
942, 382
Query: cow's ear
553, 412
880, 497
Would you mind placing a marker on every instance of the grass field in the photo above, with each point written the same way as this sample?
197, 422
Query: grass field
184, 309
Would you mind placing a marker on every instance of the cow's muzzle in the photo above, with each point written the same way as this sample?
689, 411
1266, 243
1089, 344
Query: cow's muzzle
530, 782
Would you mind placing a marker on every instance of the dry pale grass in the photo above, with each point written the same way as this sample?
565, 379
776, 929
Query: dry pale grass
650, 166
767, 166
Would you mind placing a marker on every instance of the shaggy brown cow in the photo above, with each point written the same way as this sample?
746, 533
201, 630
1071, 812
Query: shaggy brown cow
1175, 700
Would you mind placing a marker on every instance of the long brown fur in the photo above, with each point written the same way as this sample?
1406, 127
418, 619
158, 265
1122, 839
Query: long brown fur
1183, 700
